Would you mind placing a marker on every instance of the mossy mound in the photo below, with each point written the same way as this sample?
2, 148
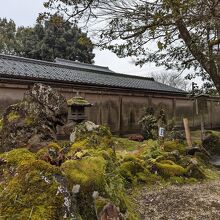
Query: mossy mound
170, 146
152, 151
76, 180
93, 145
95, 169
126, 144
87, 129
88, 172
169, 160
29, 189
18, 157
90, 135
135, 170
168, 168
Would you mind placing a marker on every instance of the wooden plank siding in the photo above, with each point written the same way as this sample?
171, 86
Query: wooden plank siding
121, 109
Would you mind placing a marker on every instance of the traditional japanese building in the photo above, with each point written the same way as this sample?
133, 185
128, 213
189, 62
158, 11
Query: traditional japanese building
118, 99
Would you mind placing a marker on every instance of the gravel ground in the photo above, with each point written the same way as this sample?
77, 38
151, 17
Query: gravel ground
200, 201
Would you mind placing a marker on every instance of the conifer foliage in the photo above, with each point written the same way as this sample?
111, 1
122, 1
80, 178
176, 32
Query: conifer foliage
47, 40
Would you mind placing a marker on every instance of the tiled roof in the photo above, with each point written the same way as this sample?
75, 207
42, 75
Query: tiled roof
82, 65
75, 72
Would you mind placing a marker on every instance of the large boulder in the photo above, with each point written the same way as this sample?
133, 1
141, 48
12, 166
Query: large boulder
33, 121
83, 129
212, 143
88, 129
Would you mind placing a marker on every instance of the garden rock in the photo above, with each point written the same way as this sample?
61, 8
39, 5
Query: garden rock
110, 212
212, 144
82, 128
136, 137
33, 121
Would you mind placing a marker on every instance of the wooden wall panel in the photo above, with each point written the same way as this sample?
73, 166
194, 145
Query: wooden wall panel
122, 110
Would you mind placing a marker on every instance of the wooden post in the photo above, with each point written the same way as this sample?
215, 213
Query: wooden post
161, 134
174, 108
120, 119
202, 128
187, 132
101, 109
210, 113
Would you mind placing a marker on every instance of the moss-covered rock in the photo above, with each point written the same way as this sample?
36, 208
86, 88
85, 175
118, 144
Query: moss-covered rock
170, 146
169, 168
33, 121
195, 171
212, 143
153, 151
100, 202
31, 186
96, 174
89, 130
88, 172
18, 157
29, 120
30, 189
133, 169
95, 171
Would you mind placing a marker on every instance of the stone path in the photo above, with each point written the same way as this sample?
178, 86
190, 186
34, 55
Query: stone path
199, 201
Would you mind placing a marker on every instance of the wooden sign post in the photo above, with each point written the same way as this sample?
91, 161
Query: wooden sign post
161, 133
187, 132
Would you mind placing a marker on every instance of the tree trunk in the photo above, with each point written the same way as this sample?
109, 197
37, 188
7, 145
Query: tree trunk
209, 64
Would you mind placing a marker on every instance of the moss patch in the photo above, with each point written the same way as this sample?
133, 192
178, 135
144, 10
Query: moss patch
13, 117
29, 188
126, 144
18, 157
99, 166
179, 180
78, 101
88, 172
1, 124
169, 168
170, 146
29, 121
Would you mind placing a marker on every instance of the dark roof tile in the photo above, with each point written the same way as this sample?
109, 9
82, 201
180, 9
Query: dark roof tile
75, 72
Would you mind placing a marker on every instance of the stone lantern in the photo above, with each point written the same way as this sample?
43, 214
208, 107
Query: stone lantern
77, 109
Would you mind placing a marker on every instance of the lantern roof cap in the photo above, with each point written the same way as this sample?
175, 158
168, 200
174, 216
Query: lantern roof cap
78, 101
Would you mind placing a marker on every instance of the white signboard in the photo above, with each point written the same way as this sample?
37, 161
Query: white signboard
161, 132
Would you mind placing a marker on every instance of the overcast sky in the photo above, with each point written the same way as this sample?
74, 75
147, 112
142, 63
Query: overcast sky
25, 12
